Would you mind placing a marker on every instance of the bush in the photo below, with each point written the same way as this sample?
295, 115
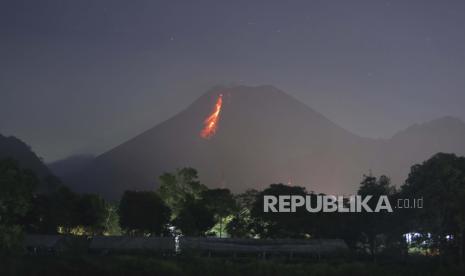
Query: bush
11, 237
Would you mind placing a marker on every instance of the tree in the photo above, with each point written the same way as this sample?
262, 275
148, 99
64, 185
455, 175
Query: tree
66, 212
440, 181
375, 226
112, 226
16, 193
58, 211
92, 212
194, 219
143, 213
221, 203
279, 225
179, 187
241, 224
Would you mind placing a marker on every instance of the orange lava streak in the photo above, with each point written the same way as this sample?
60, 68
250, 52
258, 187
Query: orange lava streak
211, 122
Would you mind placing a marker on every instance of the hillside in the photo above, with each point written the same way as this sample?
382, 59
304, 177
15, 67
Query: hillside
263, 136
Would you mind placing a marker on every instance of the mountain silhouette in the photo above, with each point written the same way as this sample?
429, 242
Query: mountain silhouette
14, 148
70, 165
263, 136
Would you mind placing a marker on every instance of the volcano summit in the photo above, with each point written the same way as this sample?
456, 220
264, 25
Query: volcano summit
257, 136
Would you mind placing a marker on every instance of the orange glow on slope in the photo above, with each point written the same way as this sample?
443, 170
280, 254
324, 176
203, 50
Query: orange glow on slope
211, 122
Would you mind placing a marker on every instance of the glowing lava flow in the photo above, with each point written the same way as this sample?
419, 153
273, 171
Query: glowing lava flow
211, 122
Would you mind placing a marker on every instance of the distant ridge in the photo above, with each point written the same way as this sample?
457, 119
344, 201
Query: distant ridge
14, 148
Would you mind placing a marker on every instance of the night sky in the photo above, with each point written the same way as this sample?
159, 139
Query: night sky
83, 76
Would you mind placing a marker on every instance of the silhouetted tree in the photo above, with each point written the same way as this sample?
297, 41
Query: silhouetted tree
92, 213
143, 213
66, 212
179, 187
62, 212
242, 224
440, 181
279, 225
194, 219
112, 226
221, 203
375, 226
16, 193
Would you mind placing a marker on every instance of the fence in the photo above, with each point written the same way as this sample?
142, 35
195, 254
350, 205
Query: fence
209, 245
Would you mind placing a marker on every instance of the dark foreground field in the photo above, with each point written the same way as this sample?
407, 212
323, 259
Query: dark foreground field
153, 265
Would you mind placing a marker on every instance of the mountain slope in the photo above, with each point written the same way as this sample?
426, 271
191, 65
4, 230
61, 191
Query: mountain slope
263, 136
70, 165
419, 142
14, 148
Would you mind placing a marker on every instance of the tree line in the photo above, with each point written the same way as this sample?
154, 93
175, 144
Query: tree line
183, 205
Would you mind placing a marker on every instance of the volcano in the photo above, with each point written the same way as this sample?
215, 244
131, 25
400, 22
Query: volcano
259, 136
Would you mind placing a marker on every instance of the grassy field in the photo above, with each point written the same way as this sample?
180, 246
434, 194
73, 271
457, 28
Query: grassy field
156, 265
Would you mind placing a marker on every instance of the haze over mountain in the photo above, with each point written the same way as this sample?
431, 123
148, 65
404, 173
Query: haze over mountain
263, 136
